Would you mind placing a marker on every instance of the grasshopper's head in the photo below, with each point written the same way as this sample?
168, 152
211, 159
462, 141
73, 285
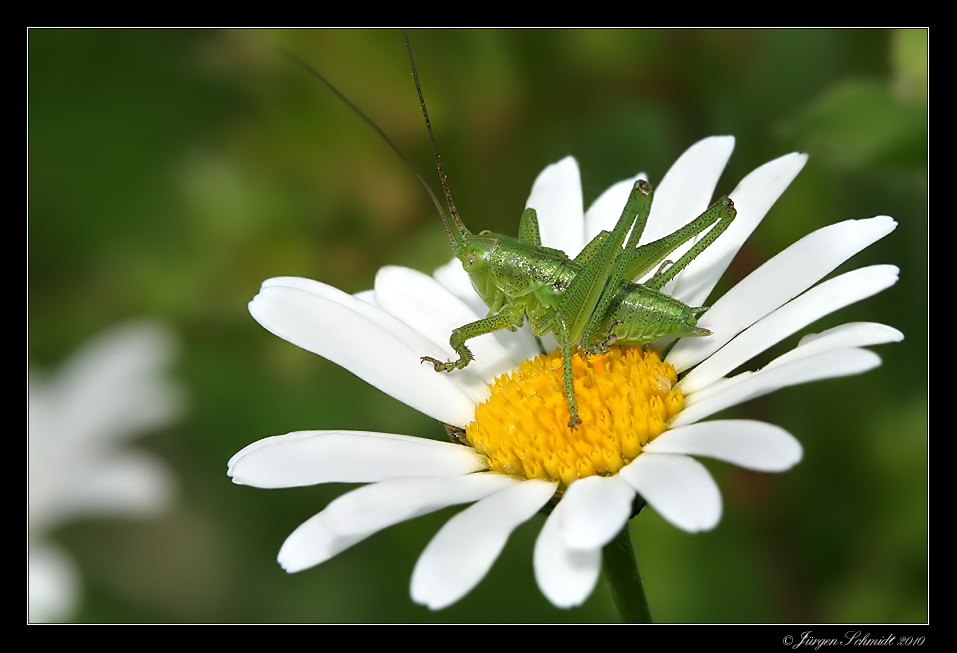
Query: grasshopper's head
474, 252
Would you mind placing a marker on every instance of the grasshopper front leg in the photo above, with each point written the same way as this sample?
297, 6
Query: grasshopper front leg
502, 320
568, 375
556, 323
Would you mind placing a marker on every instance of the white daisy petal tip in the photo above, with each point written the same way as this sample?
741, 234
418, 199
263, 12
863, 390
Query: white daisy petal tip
753, 445
565, 576
306, 458
853, 334
464, 549
679, 489
307, 546
722, 145
598, 508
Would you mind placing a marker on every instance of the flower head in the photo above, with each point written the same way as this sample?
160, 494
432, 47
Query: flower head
641, 424
111, 391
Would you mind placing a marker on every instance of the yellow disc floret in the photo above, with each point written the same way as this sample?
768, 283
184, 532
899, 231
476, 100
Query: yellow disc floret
625, 399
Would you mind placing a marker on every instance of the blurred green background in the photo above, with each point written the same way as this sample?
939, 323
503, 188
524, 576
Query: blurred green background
171, 172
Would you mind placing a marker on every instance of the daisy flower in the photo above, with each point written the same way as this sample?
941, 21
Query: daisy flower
111, 391
641, 413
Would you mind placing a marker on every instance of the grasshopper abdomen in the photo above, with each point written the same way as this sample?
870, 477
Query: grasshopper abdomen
640, 315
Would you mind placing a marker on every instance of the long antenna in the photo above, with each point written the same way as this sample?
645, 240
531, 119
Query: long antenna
443, 178
453, 237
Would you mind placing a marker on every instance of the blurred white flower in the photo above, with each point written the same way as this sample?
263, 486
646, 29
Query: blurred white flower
113, 390
638, 433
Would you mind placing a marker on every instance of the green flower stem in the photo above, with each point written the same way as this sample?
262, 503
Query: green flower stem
621, 569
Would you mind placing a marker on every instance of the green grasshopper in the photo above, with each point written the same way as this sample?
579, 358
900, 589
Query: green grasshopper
590, 302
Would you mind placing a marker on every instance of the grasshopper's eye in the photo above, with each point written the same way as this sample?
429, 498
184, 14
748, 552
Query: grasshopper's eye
470, 260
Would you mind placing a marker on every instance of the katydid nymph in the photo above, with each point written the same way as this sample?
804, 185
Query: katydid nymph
588, 302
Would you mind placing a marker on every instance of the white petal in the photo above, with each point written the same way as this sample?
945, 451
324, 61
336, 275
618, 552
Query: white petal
53, 587
604, 212
364, 339
679, 488
463, 551
754, 445
366, 510
598, 508
421, 302
355, 516
685, 192
113, 388
853, 334
270, 441
557, 198
565, 576
846, 336
752, 198
129, 483
686, 189
821, 300
311, 457
826, 365
779, 280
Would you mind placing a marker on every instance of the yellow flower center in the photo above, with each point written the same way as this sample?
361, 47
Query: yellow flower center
625, 400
